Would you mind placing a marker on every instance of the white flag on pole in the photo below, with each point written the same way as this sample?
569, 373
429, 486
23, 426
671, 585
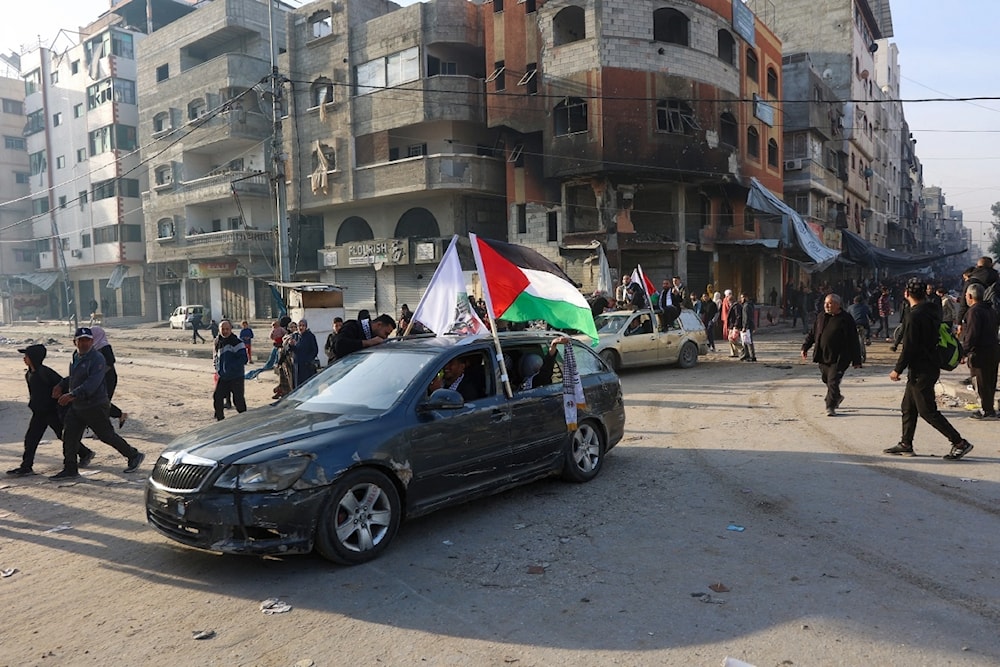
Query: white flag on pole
445, 307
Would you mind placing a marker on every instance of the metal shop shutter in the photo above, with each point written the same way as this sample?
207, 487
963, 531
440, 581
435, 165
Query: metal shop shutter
359, 289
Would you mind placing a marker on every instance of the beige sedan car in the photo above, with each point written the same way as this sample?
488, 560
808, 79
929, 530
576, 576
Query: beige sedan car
630, 339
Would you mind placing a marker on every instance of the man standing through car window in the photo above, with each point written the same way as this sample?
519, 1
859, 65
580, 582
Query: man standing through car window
86, 395
230, 364
353, 336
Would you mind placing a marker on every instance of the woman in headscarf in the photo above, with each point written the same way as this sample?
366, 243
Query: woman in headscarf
111, 375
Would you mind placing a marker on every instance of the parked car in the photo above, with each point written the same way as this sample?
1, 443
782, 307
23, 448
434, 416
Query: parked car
337, 464
630, 339
181, 317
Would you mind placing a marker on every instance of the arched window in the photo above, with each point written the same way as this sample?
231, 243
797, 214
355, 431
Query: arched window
163, 174
772, 153
321, 92
320, 25
165, 228
727, 47
418, 222
161, 122
568, 26
729, 132
675, 116
570, 116
753, 142
196, 108
671, 26
753, 66
772, 82
354, 229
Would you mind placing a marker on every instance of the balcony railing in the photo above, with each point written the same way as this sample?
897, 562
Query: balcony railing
213, 244
473, 173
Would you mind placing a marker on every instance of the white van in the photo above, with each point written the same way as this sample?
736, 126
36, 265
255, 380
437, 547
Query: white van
181, 317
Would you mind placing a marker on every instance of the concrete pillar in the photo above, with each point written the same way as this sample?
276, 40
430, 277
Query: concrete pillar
681, 260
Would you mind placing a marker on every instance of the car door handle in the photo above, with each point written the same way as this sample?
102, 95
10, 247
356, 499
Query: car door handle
498, 416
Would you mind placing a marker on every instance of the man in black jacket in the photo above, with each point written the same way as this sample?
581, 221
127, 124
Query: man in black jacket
835, 335
44, 410
359, 334
982, 349
919, 355
983, 274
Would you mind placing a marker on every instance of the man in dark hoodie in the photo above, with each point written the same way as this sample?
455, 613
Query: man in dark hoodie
86, 395
837, 346
361, 333
44, 410
230, 364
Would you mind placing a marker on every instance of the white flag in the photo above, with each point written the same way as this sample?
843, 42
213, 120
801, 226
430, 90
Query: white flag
445, 307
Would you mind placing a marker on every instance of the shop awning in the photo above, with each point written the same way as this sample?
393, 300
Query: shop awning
43, 280
117, 276
860, 251
762, 199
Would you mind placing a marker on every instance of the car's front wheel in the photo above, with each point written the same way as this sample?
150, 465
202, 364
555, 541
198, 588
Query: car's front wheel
360, 518
585, 453
688, 356
610, 357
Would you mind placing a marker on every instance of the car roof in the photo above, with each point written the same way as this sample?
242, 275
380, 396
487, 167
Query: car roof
426, 341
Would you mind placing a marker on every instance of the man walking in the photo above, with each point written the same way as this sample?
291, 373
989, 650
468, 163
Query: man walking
836, 339
982, 348
919, 355
230, 365
85, 393
747, 326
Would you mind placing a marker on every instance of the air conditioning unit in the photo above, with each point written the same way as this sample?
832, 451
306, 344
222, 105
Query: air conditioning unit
76, 253
791, 165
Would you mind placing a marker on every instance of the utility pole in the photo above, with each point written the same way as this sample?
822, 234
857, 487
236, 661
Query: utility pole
277, 151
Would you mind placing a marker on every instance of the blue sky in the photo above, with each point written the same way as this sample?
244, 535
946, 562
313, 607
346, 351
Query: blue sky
947, 49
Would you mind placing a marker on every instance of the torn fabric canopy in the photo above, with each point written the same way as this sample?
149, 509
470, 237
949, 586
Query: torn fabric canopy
762, 199
117, 276
41, 280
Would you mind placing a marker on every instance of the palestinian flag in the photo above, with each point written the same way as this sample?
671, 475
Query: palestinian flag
521, 285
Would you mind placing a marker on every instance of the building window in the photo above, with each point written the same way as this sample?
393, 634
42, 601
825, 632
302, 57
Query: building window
570, 116
772, 82
727, 47
569, 26
497, 6
530, 79
676, 117
553, 226
392, 70
62, 201
21, 177
74, 67
753, 67
163, 175
110, 90
39, 206
78, 110
81, 155
772, 153
196, 108
82, 198
60, 162
498, 76
32, 82
54, 77
57, 119
753, 142
162, 73
521, 213
329, 158
36, 122
416, 150
165, 229
529, 6
671, 26
748, 220
13, 107
85, 240
320, 25
112, 137
15, 143
37, 163
729, 132
161, 122
321, 92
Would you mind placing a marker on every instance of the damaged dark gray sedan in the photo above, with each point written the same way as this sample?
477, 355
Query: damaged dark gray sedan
341, 461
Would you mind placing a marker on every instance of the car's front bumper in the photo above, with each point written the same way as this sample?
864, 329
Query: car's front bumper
237, 523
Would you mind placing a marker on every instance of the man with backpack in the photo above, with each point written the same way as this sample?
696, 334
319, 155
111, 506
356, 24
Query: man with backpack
921, 333
982, 349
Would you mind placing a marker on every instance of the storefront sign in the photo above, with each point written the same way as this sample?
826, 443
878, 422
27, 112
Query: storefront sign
763, 110
743, 22
366, 253
212, 269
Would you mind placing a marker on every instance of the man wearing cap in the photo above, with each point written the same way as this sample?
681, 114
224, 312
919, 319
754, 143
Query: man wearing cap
85, 393
44, 411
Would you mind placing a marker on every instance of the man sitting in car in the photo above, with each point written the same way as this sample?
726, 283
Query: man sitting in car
455, 376
639, 325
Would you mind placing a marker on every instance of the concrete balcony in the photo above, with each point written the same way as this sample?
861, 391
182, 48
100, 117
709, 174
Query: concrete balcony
212, 244
473, 174
235, 128
454, 98
214, 187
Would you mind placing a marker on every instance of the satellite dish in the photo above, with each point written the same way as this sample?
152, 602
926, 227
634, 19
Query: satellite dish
827, 74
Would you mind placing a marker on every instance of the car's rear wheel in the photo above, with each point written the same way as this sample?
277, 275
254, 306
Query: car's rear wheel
584, 453
610, 357
360, 518
688, 356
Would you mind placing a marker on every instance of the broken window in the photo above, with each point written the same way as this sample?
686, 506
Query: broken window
320, 25
676, 117
568, 26
570, 116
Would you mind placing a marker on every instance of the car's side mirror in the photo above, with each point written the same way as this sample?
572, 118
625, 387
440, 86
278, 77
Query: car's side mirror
444, 399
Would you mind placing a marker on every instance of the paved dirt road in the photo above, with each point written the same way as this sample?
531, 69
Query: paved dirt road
847, 557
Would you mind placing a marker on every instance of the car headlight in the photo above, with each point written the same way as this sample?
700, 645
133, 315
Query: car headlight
275, 475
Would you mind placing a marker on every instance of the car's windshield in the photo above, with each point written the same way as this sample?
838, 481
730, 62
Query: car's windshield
361, 383
611, 323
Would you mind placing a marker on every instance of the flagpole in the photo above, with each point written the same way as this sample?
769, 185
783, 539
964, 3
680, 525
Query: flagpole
504, 377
